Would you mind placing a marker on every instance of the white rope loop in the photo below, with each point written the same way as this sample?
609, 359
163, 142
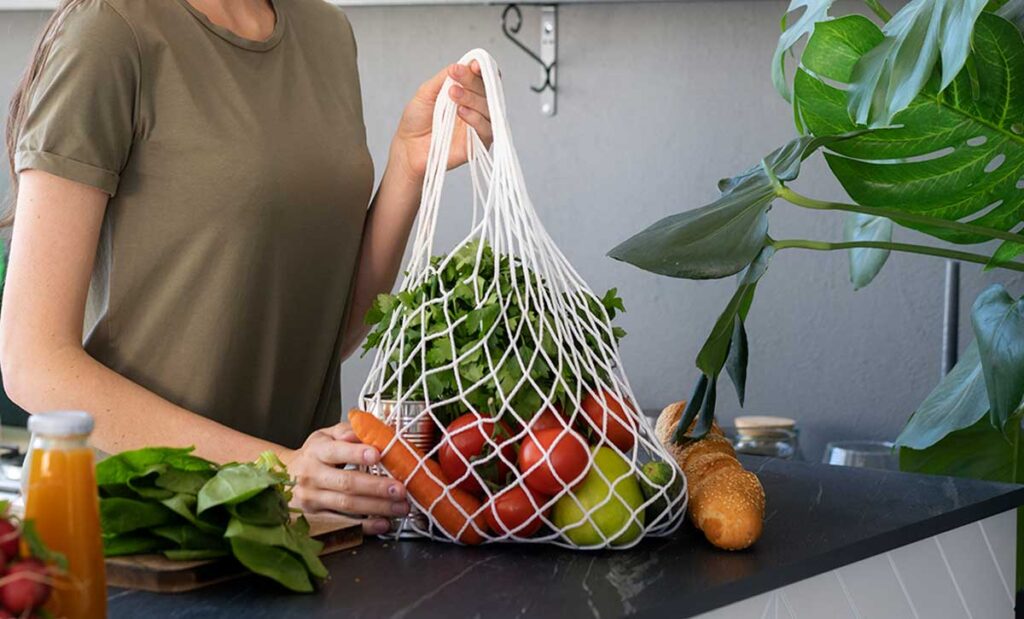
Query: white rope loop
552, 321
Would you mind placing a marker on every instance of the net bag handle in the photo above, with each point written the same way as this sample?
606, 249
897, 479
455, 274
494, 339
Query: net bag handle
489, 170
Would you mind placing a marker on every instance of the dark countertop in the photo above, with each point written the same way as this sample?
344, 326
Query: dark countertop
819, 518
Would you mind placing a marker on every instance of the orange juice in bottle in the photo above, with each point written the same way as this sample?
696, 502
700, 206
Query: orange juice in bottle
61, 499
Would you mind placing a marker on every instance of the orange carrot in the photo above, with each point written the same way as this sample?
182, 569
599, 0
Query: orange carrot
442, 501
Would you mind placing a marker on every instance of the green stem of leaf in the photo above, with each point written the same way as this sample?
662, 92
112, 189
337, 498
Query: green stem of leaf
900, 247
879, 10
807, 202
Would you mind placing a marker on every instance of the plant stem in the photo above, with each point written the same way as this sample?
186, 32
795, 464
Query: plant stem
878, 9
901, 247
807, 202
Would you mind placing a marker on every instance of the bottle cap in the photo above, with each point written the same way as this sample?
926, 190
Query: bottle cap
61, 423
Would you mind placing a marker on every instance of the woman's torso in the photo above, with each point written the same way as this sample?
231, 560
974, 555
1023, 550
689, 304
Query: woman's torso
229, 249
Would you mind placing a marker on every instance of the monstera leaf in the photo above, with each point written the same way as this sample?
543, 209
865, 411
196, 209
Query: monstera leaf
721, 238
957, 154
887, 78
815, 11
866, 263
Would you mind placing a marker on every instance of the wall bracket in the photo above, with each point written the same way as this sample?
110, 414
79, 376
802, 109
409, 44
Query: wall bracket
511, 22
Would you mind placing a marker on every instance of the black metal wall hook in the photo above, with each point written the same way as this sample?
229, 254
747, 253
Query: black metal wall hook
511, 28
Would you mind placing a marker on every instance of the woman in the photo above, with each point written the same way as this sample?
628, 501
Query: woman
192, 182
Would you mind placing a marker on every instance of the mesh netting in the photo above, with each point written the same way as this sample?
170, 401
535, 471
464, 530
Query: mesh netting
498, 361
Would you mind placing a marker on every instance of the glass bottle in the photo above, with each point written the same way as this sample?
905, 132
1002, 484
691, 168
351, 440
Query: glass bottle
62, 501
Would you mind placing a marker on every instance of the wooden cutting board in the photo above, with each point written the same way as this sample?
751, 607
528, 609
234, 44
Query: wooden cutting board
155, 572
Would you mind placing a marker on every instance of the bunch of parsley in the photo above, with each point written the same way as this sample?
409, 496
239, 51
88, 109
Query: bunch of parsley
485, 305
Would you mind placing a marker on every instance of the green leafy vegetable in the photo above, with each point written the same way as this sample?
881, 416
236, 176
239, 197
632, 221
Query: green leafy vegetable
235, 483
466, 317
119, 515
272, 562
133, 544
166, 500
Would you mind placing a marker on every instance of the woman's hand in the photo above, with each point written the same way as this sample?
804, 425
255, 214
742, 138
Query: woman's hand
412, 140
320, 485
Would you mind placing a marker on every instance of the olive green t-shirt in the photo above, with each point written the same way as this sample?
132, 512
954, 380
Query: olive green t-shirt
239, 181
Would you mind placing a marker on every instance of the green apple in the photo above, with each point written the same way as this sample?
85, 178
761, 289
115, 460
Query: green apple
589, 526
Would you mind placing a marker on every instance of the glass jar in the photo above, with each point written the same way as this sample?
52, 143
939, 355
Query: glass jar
776, 437
61, 499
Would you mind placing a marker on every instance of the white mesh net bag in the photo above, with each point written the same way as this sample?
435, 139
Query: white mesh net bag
498, 367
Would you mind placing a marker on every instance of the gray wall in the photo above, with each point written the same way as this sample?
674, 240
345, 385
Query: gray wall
656, 102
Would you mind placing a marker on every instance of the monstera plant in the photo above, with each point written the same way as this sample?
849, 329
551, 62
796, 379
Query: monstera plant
920, 116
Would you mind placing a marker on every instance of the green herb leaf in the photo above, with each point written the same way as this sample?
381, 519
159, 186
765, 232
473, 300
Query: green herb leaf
38, 549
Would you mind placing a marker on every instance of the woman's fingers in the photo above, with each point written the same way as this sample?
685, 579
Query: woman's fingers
337, 452
340, 431
355, 482
468, 77
320, 500
476, 120
470, 99
376, 526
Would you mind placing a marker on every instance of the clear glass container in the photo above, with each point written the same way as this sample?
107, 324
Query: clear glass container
59, 484
775, 437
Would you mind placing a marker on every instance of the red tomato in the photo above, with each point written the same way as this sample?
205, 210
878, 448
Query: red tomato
563, 455
612, 419
467, 436
550, 417
512, 508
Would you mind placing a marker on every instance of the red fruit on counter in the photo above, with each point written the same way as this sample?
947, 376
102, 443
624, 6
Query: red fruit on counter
25, 587
10, 539
611, 418
469, 439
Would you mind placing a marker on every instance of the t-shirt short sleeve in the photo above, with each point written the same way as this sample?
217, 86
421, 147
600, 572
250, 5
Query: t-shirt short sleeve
79, 121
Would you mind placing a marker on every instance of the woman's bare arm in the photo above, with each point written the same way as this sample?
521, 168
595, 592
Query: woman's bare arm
393, 210
44, 365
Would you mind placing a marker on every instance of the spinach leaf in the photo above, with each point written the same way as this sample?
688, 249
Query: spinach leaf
119, 515
267, 508
145, 487
235, 483
273, 562
127, 465
189, 537
195, 555
133, 544
186, 482
282, 536
184, 505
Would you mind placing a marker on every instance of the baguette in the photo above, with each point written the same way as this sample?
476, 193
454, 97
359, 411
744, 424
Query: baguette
726, 501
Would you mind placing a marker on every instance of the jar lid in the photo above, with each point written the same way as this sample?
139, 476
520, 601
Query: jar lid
61, 423
763, 422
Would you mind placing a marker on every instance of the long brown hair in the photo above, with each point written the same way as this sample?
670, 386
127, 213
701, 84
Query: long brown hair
20, 99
